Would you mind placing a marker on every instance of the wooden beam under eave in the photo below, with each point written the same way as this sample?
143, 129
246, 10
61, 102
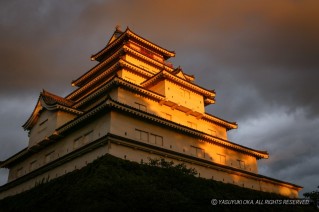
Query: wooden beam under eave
173, 107
189, 112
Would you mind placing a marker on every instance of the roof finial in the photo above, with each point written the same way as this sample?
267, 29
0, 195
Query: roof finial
118, 27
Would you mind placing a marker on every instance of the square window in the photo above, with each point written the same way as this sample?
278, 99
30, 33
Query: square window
141, 106
159, 140
241, 164
152, 139
222, 158
212, 132
88, 137
33, 165
144, 136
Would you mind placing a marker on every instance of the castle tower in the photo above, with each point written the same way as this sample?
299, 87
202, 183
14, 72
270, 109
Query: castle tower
134, 105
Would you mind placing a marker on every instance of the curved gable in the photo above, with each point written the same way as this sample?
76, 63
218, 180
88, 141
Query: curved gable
49, 101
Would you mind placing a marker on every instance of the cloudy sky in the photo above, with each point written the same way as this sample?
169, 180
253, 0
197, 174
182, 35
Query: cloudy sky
261, 57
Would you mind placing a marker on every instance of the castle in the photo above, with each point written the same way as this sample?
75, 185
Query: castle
134, 105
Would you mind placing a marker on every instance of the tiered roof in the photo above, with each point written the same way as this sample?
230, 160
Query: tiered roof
102, 75
121, 44
110, 104
102, 78
127, 34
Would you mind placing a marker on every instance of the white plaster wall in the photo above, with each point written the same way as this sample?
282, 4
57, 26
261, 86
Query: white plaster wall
184, 96
177, 116
127, 126
47, 123
99, 128
131, 77
65, 168
211, 172
138, 62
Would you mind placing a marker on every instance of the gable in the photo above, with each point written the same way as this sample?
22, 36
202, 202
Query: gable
181, 75
115, 35
51, 102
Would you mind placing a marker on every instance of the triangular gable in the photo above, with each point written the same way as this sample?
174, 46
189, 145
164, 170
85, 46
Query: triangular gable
166, 53
119, 36
118, 40
34, 116
115, 35
48, 101
164, 75
189, 78
179, 73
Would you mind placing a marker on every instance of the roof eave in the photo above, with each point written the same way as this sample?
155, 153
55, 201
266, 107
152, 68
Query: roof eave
126, 34
6, 163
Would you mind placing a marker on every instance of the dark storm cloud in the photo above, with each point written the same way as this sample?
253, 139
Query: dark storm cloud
273, 50
40, 45
270, 47
298, 155
291, 140
259, 56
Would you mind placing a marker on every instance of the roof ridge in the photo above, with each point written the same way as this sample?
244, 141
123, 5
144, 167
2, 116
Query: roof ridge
52, 98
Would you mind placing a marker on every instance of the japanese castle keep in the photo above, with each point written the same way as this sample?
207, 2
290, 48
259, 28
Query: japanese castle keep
133, 105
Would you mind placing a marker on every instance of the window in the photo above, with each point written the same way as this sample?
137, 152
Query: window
142, 135
241, 164
33, 165
82, 140
19, 172
153, 139
212, 132
49, 157
192, 124
149, 137
77, 142
156, 139
141, 106
198, 152
222, 158
185, 93
42, 126
43, 122
88, 137
167, 116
